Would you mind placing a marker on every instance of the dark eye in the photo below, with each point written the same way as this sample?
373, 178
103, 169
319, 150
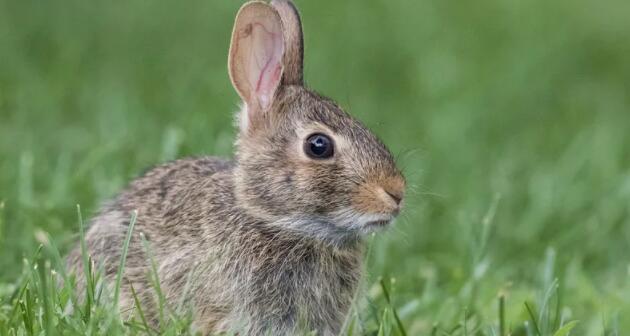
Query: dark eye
319, 146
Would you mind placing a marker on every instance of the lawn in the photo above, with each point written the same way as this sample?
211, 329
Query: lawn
510, 119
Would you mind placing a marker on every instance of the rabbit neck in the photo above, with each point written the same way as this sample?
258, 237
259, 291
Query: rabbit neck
296, 278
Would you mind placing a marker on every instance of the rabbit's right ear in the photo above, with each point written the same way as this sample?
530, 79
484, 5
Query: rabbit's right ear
255, 60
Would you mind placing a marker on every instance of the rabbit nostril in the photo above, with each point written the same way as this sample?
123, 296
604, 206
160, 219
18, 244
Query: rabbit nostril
395, 196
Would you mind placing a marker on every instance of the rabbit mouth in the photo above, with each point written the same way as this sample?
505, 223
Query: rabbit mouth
378, 223
362, 222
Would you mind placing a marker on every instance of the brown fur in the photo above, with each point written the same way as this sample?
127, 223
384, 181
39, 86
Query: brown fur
266, 242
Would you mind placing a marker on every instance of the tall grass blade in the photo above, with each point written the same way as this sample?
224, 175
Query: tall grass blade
139, 308
532, 316
87, 269
123, 257
399, 324
501, 315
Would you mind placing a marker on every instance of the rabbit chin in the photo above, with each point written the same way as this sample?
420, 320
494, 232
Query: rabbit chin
364, 223
340, 228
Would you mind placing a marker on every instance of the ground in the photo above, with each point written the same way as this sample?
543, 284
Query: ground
510, 120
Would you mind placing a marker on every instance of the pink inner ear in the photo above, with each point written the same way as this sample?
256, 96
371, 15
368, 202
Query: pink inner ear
266, 63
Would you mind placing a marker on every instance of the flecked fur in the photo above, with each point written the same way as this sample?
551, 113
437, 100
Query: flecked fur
266, 242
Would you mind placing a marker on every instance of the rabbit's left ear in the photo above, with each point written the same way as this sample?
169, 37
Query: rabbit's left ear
293, 59
256, 52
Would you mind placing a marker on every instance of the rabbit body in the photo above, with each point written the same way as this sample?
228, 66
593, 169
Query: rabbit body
270, 242
239, 273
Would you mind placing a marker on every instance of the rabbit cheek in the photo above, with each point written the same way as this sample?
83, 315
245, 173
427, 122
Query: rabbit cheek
325, 190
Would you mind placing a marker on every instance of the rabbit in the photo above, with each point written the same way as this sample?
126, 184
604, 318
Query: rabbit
272, 241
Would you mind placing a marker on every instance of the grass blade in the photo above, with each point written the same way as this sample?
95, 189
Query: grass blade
87, 269
566, 329
501, 315
399, 324
123, 257
139, 307
533, 319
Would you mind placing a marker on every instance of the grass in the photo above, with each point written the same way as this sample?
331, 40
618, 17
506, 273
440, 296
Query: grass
509, 118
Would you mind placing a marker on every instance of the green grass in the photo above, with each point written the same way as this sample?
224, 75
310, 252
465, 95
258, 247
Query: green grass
511, 120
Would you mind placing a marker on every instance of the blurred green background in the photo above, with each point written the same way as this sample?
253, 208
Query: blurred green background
511, 120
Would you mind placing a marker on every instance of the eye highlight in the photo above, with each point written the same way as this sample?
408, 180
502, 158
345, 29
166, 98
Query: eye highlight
319, 146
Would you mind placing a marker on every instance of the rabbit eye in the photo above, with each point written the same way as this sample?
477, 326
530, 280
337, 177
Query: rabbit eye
319, 146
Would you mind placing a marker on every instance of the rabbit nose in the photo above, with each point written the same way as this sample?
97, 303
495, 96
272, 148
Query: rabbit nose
395, 195
383, 195
392, 195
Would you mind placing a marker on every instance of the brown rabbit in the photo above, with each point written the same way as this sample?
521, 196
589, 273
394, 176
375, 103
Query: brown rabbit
271, 241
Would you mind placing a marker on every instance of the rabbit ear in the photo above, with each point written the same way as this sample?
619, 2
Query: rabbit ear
294, 42
255, 60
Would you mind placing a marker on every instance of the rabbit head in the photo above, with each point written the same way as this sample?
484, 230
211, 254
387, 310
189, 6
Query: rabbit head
302, 162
